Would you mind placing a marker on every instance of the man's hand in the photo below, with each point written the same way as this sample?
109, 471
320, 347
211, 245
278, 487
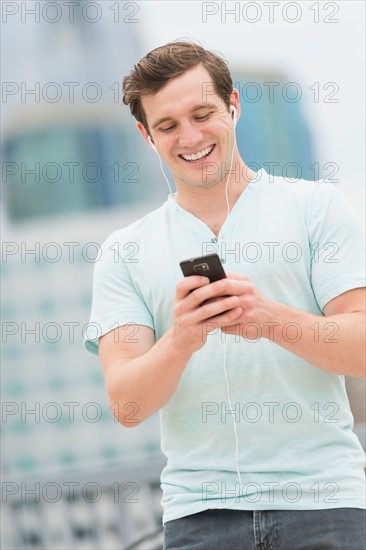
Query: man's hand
257, 309
193, 318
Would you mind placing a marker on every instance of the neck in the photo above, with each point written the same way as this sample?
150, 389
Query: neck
211, 203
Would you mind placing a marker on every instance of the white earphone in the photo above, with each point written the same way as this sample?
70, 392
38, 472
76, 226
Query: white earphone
233, 113
161, 166
151, 143
234, 116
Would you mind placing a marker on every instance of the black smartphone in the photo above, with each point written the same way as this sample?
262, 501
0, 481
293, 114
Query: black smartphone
208, 266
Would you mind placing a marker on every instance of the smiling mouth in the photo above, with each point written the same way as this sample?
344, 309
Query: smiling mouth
198, 156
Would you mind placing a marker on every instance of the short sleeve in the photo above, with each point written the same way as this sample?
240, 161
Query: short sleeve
337, 244
115, 300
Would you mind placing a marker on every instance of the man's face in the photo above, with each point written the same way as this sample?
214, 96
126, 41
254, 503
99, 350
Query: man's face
187, 119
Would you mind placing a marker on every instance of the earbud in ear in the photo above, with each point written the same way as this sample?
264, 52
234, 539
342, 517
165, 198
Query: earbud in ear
151, 143
233, 113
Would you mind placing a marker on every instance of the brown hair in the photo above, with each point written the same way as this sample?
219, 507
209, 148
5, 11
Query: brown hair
162, 64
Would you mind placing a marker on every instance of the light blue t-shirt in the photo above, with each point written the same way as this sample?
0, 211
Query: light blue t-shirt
302, 245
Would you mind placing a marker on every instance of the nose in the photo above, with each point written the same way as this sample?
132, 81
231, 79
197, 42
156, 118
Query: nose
189, 135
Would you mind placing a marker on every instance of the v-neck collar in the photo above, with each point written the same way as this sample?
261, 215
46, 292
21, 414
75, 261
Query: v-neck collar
190, 218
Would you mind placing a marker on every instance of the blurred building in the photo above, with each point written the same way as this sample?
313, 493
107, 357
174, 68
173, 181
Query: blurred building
74, 172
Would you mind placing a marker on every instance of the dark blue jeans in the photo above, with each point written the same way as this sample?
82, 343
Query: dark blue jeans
330, 529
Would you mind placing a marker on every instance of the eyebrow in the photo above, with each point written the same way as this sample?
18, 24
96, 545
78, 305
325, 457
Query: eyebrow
195, 108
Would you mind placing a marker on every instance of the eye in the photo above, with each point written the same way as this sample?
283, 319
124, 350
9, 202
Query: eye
203, 117
167, 129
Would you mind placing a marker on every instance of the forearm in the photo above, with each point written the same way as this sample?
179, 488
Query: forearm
335, 343
143, 385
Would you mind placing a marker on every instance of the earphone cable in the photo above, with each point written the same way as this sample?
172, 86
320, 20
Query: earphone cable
225, 349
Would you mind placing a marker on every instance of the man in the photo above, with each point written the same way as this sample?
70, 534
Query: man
247, 372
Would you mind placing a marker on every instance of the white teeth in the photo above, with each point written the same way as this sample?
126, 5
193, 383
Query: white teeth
199, 155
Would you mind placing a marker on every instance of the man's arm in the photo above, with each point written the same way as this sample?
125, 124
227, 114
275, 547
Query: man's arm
335, 343
141, 376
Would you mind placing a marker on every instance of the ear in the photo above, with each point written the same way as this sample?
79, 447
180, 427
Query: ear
235, 101
143, 132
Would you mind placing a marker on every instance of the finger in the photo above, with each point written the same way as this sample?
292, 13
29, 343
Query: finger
229, 328
224, 287
228, 317
216, 308
187, 284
